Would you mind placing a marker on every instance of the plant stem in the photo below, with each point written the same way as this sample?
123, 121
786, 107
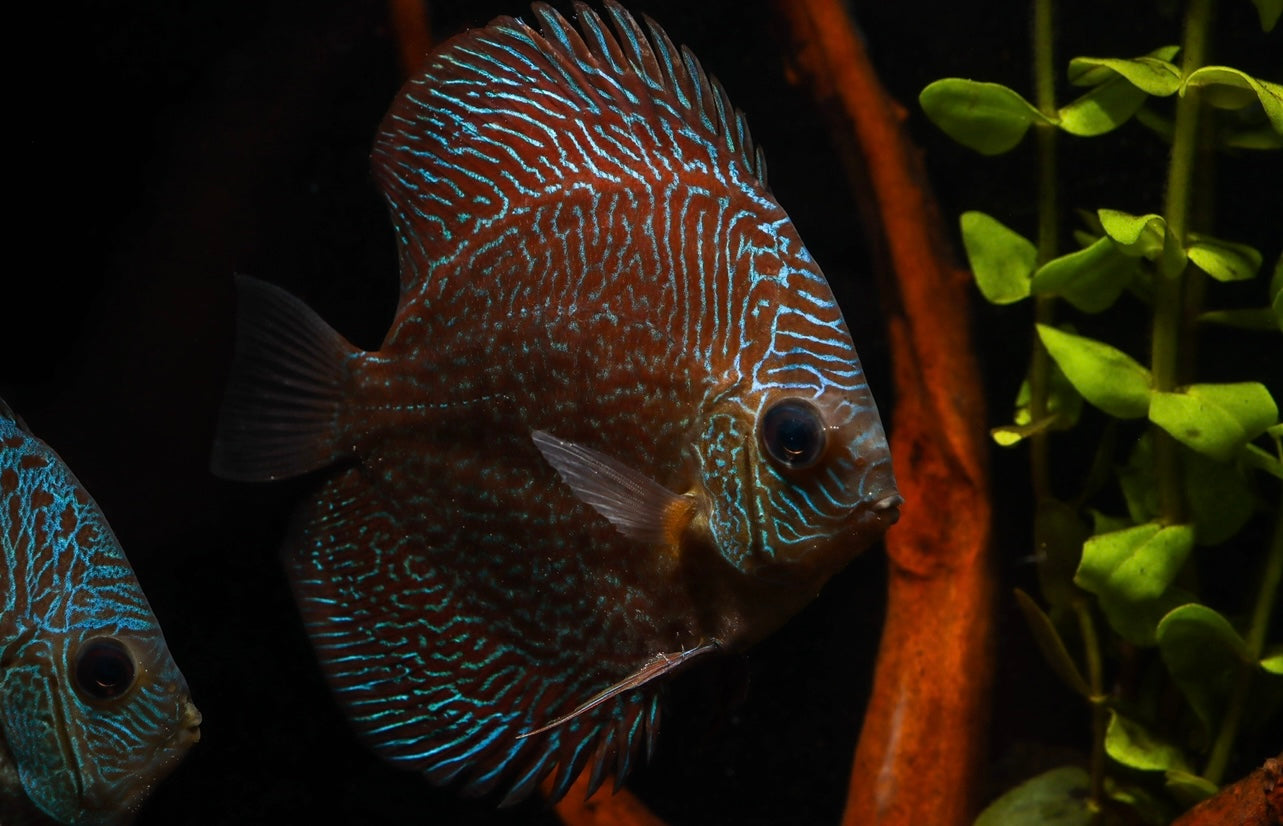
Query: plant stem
1048, 221
1169, 288
1256, 633
1096, 681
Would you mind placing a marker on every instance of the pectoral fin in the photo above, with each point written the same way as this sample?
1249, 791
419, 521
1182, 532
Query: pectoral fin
638, 506
661, 665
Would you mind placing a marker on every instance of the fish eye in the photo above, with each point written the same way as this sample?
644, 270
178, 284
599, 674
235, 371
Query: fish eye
104, 669
793, 433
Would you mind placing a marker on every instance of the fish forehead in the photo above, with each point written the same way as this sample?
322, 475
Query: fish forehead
68, 571
68, 581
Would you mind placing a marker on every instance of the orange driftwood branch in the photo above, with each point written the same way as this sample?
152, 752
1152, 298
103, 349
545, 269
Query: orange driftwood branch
921, 748
1256, 800
603, 808
410, 27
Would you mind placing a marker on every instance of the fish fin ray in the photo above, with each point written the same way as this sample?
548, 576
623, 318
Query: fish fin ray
639, 507
279, 416
661, 665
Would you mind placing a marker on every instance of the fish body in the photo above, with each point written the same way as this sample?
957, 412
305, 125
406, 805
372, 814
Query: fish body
93, 710
618, 421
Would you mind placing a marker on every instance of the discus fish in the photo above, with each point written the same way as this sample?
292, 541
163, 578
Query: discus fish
93, 710
618, 422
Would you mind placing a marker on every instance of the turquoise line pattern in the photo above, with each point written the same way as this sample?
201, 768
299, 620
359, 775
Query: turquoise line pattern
588, 247
80, 756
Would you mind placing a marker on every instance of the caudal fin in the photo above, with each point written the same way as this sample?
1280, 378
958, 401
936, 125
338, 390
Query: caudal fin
281, 411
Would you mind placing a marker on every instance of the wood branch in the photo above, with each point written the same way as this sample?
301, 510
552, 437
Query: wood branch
410, 27
1256, 800
602, 809
921, 748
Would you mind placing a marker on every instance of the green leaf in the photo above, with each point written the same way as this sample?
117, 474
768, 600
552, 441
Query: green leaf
1259, 138
1137, 620
1258, 318
1215, 419
1105, 376
1056, 798
1001, 259
986, 117
1190, 789
1223, 260
1130, 571
1051, 645
1131, 744
1269, 11
1152, 74
1219, 496
1204, 655
1103, 109
1273, 663
1141, 235
1145, 236
1141, 807
1134, 564
1010, 435
1091, 279
1227, 88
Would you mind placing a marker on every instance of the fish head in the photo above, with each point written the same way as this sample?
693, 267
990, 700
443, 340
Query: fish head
93, 720
795, 471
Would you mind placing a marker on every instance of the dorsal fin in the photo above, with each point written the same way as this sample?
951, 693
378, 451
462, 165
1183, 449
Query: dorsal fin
6, 412
506, 114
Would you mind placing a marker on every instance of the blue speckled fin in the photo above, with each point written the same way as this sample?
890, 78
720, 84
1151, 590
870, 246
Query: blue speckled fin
639, 507
280, 415
421, 674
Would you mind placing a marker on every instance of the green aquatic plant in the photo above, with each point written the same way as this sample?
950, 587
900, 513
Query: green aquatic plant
1192, 458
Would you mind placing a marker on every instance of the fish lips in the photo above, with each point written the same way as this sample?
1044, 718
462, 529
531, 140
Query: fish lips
815, 560
164, 759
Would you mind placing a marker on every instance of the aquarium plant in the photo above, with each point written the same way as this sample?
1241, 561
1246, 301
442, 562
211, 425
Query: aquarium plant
1187, 461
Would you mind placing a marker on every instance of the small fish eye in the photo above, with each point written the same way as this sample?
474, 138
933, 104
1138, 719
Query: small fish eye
793, 433
104, 669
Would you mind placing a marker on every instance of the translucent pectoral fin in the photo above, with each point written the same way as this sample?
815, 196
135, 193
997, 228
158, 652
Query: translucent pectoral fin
662, 665
639, 507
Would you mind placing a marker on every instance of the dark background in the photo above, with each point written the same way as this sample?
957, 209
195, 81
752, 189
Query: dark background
161, 147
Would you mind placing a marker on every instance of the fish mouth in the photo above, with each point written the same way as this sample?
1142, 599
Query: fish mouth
164, 759
189, 727
888, 508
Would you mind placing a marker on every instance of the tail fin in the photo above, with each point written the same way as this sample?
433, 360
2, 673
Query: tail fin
281, 412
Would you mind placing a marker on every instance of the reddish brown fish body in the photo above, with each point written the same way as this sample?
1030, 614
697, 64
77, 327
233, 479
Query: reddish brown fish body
618, 421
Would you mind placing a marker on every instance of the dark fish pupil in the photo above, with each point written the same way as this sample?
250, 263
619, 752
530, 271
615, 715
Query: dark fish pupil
793, 433
105, 669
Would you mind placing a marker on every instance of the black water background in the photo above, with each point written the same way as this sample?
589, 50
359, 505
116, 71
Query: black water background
163, 147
